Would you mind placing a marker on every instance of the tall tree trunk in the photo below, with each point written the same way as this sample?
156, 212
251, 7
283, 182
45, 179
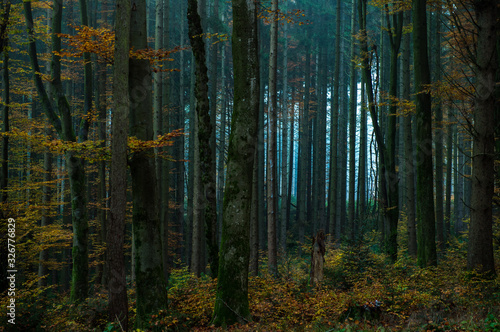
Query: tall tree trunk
438, 140
207, 190
408, 134
480, 250
117, 284
284, 146
425, 185
353, 96
231, 304
150, 281
332, 194
319, 157
366, 57
395, 32
272, 147
303, 192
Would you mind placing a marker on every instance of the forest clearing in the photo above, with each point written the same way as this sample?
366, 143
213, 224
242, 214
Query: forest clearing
277, 165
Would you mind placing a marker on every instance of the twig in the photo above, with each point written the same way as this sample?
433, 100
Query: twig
121, 327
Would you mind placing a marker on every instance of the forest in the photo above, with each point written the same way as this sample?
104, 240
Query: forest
243, 165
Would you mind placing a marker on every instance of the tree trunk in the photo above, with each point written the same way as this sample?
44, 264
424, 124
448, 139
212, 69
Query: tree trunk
272, 147
207, 190
117, 284
284, 146
408, 134
231, 304
425, 185
480, 250
150, 281
353, 87
332, 194
395, 32
438, 140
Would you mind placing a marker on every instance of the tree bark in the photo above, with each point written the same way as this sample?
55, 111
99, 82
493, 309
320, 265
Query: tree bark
425, 185
353, 88
408, 142
332, 193
117, 284
150, 281
438, 140
207, 190
480, 250
395, 32
272, 147
231, 304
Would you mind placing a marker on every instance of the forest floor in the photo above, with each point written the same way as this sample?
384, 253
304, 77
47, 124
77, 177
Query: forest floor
361, 291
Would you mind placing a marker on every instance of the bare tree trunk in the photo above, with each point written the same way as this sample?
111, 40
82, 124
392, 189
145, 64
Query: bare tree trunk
408, 134
332, 194
149, 273
480, 250
353, 87
117, 284
207, 189
272, 147
425, 185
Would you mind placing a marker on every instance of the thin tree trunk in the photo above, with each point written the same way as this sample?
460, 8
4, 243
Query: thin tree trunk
438, 141
408, 134
284, 147
332, 195
353, 87
207, 189
272, 147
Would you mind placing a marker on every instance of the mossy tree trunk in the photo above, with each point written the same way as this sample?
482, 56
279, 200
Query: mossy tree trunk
150, 282
207, 191
231, 304
426, 228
